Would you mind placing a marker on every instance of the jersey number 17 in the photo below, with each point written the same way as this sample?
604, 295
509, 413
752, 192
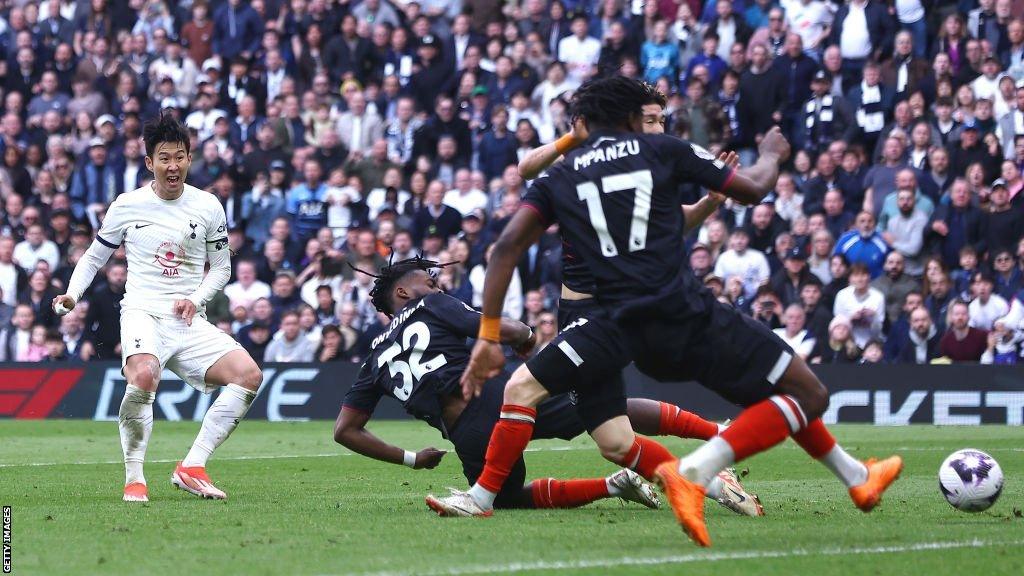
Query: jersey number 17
643, 183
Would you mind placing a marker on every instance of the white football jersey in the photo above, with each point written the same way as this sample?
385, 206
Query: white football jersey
166, 244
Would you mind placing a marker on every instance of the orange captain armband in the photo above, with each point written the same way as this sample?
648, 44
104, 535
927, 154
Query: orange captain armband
490, 329
565, 143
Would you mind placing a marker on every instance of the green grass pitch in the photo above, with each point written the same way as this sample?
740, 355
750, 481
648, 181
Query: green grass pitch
299, 504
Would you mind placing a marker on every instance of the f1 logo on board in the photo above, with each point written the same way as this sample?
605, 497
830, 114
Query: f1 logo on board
33, 392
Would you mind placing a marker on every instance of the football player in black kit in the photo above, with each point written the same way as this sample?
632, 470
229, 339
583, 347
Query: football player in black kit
418, 361
616, 199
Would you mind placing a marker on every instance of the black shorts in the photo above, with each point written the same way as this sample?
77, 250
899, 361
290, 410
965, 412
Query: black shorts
556, 418
725, 350
585, 359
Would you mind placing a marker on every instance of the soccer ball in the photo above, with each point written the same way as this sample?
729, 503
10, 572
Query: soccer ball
971, 480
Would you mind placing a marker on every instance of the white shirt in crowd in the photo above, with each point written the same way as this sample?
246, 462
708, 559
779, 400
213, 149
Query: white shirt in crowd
751, 267
983, 316
466, 203
580, 56
854, 41
849, 303
9, 283
513, 307
239, 295
802, 343
807, 20
27, 256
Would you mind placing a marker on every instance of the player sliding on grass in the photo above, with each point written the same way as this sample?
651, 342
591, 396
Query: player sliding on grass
418, 361
170, 231
616, 201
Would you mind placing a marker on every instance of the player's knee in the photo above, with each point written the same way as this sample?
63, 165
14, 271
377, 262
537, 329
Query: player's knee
818, 399
144, 375
522, 389
251, 377
615, 451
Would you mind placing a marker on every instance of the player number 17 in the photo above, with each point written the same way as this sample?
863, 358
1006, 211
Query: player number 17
643, 183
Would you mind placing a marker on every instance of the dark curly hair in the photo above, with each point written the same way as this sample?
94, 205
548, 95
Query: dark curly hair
164, 129
610, 102
388, 276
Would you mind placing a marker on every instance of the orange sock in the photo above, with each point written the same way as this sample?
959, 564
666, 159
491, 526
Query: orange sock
551, 493
645, 456
508, 440
762, 426
678, 422
816, 440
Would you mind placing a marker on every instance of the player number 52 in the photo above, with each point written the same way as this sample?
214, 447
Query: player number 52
643, 183
414, 369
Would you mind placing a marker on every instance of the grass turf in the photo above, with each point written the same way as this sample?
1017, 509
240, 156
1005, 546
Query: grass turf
299, 504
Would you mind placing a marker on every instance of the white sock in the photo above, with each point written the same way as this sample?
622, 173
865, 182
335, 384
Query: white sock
220, 420
483, 497
135, 422
613, 490
704, 463
848, 469
714, 488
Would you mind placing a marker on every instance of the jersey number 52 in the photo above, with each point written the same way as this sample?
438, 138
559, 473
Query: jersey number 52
415, 340
643, 183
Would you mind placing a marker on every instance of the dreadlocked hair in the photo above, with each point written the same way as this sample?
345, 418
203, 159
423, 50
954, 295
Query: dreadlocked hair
611, 101
380, 294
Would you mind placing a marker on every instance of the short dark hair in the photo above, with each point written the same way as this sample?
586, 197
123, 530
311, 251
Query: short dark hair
165, 129
859, 268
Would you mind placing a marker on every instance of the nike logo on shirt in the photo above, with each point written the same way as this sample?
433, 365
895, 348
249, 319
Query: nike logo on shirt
137, 226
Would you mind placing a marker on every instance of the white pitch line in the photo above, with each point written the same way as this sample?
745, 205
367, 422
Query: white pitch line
261, 457
696, 558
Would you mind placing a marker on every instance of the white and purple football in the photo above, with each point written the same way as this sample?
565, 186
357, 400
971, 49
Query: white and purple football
971, 480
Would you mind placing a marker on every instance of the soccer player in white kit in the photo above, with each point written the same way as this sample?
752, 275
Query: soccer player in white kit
170, 230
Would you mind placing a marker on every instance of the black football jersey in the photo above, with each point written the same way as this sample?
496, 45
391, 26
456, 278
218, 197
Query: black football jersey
419, 359
617, 201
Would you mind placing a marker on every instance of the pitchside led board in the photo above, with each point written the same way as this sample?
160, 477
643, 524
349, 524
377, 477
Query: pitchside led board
888, 395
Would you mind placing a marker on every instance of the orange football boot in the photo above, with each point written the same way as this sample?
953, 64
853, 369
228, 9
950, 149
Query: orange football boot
881, 473
686, 499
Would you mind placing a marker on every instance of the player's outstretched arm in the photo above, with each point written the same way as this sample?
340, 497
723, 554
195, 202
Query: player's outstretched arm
487, 359
350, 431
695, 214
750, 185
537, 160
94, 258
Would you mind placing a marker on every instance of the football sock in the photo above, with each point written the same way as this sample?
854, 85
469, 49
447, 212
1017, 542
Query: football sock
645, 455
714, 488
678, 422
756, 429
551, 493
220, 420
819, 443
135, 422
508, 440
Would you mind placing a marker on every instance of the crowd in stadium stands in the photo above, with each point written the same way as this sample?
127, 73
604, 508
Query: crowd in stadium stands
338, 132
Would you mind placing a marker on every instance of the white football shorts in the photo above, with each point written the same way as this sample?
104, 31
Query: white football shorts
188, 351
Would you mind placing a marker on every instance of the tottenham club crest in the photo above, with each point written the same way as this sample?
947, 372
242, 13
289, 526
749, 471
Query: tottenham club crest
170, 256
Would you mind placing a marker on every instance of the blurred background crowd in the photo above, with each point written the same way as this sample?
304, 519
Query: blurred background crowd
337, 133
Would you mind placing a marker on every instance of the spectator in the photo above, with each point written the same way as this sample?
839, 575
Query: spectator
863, 245
894, 285
579, 51
1003, 346
958, 224
749, 265
863, 305
904, 231
940, 295
873, 352
986, 307
788, 281
16, 340
839, 347
658, 56
767, 308
962, 342
1007, 274
255, 338
837, 219
247, 288
921, 345
289, 343
34, 248
795, 334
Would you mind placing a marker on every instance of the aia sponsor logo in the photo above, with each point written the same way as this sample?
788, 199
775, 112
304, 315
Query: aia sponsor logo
170, 256
34, 393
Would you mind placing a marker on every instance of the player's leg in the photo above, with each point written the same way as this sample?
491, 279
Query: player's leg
655, 418
211, 359
135, 421
140, 352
